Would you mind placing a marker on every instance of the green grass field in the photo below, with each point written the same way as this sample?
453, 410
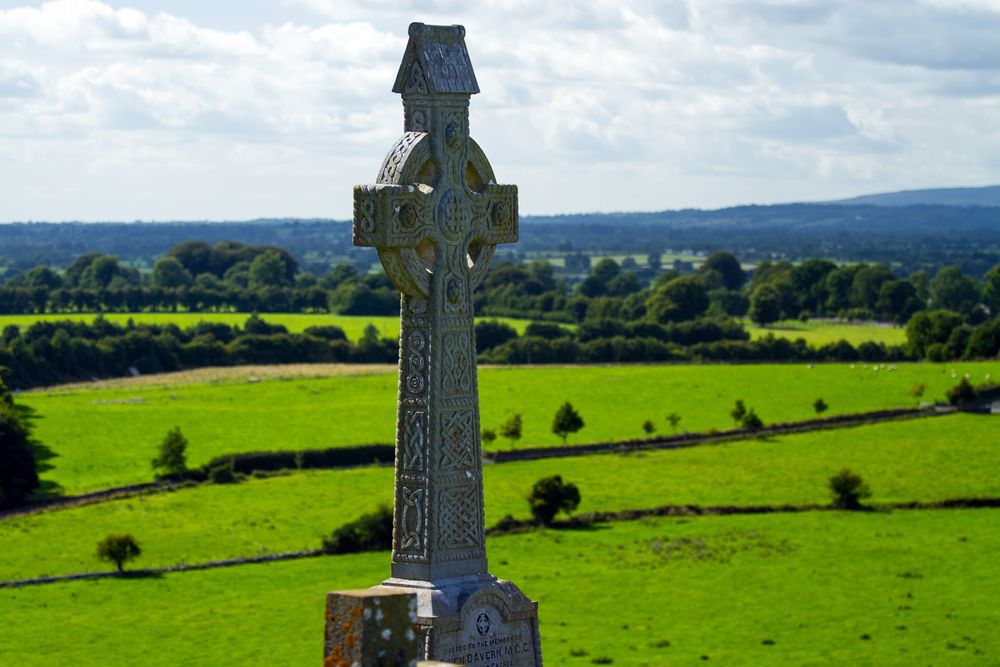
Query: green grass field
353, 325
106, 437
820, 333
926, 460
903, 588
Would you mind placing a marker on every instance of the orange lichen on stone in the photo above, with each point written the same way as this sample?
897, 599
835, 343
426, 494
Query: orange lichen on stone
351, 641
357, 612
346, 627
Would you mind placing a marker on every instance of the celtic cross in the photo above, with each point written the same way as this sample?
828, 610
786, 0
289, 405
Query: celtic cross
435, 216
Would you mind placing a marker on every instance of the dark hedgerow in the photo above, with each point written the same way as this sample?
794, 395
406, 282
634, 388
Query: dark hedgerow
369, 532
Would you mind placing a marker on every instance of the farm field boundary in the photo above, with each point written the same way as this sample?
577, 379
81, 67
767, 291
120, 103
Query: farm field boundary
516, 526
695, 439
681, 441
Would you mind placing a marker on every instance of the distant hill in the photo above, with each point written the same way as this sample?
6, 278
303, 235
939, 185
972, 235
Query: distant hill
985, 196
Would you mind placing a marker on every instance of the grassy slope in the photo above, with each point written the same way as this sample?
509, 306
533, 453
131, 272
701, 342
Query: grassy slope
888, 589
820, 333
353, 325
930, 459
106, 437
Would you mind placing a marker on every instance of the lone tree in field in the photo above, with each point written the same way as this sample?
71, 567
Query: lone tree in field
118, 549
751, 421
567, 421
673, 419
549, 496
488, 435
511, 429
848, 489
738, 412
820, 406
171, 461
648, 427
18, 473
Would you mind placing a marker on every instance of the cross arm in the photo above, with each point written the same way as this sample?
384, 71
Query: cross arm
391, 216
499, 222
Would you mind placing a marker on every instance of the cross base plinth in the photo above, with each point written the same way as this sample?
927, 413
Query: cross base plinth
478, 620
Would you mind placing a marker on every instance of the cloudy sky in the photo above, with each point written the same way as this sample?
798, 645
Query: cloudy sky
236, 109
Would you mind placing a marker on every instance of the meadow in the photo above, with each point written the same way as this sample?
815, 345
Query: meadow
104, 437
817, 333
898, 588
353, 325
926, 460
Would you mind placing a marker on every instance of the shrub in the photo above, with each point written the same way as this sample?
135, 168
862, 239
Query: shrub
224, 473
820, 406
118, 549
917, 390
962, 392
488, 435
369, 532
751, 421
648, 427
549, 496
171, 461
848, 489
673, 419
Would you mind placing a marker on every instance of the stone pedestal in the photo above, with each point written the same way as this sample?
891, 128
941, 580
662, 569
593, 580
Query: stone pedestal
372, 627
479, 620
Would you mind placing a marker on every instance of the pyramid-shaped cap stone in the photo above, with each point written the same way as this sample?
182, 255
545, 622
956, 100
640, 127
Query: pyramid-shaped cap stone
436, 61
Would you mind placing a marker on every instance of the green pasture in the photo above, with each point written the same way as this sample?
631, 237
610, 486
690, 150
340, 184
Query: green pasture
899, 588
353, 325
927, 459
103, 437
817, 333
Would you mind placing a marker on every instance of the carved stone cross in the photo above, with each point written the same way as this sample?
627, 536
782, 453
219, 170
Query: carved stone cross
435, 216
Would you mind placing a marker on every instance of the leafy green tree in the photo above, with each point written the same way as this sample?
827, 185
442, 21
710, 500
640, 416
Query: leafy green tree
930, 327
648, 427
868, 280
898, 301
168, 272
511, 429
738, 412
567, 420
118, 549
991, 290
673, 419
549, 496
172, 458
848, 489
490, 333
765, 305
269, 269
678, 300
820, 406
488, 436
43, 276
951, 290
728, 267
18, 473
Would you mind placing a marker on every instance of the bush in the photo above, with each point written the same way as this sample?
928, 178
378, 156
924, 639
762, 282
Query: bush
820, 406
223, 474
962, 392
118, 549
511, 429
549, 496
848, 489
648, 427
751, 421
369, 532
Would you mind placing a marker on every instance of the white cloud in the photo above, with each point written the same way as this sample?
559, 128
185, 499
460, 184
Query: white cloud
108, 111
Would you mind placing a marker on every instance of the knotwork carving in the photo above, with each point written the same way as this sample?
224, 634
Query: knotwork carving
414, 439
456, 377
453, 215
460, 512
415, 82
457, 437
414, 346
411, 519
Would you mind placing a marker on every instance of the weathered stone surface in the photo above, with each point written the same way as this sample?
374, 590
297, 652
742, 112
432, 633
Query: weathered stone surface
375, 627
435, 216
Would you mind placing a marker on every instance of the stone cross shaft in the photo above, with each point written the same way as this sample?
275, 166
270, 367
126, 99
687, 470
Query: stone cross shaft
435, 216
